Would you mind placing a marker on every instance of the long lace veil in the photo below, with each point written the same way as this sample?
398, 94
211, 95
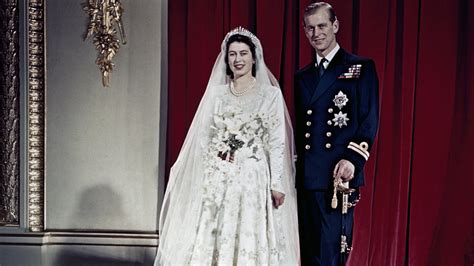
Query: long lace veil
182, 200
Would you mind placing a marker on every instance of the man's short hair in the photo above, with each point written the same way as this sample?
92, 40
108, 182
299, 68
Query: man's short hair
314, 7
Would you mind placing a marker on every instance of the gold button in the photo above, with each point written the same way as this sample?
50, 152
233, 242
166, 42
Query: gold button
328, 134
307, 135
328, 145
330, 110
307, 147
309, 112
308, 123
329, 122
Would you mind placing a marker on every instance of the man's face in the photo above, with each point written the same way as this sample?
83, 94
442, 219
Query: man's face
321, 32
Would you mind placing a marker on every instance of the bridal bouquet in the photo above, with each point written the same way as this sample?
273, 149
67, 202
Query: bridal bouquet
233, 130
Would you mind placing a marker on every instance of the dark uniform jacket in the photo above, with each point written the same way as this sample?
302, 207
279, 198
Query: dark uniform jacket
336, 118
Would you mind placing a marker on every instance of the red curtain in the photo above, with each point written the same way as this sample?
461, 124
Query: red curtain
417, 205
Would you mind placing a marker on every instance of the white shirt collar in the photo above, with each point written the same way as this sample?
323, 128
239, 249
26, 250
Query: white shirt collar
328, 57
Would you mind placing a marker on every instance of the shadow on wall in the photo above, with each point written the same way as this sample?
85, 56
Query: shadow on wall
99, 207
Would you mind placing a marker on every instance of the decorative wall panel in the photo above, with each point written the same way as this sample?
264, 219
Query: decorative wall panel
9, 114
36, 115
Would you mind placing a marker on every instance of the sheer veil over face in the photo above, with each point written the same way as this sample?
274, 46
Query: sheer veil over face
183, 197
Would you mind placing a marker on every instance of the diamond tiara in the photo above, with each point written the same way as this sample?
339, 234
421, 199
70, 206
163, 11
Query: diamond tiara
242, 31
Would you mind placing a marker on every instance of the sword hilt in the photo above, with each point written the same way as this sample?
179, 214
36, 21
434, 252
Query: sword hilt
342, 187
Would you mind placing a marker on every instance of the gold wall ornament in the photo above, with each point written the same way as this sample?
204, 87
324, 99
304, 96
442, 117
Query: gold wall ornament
105, 17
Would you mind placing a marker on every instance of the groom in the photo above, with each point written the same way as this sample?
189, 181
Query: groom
337, 112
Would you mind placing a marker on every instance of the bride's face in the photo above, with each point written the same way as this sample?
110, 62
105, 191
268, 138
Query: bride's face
240, 59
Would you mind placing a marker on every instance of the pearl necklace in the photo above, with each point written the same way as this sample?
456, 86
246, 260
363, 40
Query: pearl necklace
244, 91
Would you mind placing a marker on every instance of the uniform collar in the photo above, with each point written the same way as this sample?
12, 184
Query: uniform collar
329, 57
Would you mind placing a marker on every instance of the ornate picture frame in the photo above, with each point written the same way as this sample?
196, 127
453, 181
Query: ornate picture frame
30, 44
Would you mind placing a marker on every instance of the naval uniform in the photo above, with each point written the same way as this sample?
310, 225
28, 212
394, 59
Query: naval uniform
336, 118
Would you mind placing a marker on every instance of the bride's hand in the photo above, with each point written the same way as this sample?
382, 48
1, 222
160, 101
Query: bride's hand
278, 198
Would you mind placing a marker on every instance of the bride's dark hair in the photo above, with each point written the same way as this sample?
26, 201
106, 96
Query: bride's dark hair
242, 39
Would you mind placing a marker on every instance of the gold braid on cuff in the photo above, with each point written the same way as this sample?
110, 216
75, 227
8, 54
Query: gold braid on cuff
361, 149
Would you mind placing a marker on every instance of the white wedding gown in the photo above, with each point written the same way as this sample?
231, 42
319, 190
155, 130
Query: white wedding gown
243, 161
236, 224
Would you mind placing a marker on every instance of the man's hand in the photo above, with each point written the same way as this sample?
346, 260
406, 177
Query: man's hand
344, 170
278, 198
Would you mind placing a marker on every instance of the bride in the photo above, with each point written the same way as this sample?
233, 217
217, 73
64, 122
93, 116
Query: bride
231, 198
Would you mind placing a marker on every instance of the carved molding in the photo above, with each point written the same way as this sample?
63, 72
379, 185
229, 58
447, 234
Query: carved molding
36, 115
9, 114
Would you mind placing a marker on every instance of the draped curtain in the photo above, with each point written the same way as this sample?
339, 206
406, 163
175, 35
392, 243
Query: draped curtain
417, 205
